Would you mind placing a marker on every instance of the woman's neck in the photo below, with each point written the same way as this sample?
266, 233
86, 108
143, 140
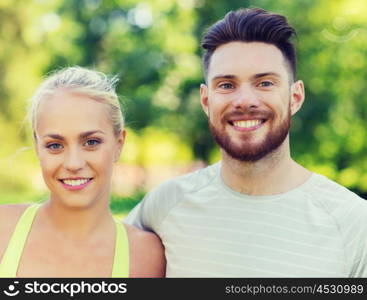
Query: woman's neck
77, 223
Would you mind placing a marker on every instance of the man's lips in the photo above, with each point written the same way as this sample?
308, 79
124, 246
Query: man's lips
247, 124
247, 120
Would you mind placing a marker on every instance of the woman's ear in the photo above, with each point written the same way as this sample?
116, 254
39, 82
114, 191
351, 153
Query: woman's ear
35, 144
120, 144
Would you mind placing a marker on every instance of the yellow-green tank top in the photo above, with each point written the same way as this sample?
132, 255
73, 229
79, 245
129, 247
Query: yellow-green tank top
10, 262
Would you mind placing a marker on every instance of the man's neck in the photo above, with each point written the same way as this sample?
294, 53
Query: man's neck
274, 174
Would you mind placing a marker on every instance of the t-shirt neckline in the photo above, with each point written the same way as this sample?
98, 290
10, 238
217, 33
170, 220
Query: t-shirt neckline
296, 190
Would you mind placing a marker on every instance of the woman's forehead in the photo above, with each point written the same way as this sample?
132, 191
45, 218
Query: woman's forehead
72, 112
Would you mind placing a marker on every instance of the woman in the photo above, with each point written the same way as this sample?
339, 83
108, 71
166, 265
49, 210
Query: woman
78, 133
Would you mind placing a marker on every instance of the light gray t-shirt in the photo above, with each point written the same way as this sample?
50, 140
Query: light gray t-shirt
318, 229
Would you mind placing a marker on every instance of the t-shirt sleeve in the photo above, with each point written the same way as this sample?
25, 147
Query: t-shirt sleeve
151, 211
142, 215
135, 217
357, 242
352, 223
349, 212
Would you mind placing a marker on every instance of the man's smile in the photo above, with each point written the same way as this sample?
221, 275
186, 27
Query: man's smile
246, 125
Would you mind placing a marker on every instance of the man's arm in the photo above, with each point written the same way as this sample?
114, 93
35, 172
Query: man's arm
152, 210
150, 213
136, 218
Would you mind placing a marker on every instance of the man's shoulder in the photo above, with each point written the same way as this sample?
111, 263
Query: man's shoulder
190, 182
334, 196
330, 187
160, 201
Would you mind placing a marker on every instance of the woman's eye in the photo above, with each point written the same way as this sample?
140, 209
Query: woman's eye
54, 146
92, 143
266, 83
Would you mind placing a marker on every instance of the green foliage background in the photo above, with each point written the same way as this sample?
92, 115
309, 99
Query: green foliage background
154, 47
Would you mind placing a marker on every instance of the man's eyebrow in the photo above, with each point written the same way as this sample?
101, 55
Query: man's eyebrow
259, 75
223, 76
81, 136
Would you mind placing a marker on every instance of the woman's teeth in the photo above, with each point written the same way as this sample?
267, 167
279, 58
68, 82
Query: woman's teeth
75, 182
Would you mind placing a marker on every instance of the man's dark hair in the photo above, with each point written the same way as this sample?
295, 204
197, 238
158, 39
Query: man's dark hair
251, 25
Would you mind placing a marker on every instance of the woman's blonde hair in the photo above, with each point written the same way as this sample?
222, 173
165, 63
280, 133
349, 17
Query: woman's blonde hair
96, 85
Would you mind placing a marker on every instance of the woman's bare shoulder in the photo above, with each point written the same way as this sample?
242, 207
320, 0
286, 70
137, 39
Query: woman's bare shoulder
146, 253
141, 236
10, 213
9, 216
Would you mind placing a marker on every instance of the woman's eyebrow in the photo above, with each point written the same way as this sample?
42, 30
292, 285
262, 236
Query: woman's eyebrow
88, 133
54, 136
81, 136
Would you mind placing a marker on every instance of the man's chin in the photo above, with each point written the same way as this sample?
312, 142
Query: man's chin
246, 154
252, 147
249, 150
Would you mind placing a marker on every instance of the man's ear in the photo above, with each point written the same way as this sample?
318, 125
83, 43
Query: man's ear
297, 96
204, 98
120, 144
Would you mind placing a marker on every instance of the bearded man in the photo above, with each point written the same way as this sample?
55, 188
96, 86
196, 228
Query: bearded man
257, 213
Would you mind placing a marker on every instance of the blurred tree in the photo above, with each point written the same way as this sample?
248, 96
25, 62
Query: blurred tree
154, 46
24, 25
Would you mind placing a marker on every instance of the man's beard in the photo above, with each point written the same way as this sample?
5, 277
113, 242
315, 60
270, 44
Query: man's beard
252, 153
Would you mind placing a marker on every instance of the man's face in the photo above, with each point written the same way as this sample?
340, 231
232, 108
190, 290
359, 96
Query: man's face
249, 99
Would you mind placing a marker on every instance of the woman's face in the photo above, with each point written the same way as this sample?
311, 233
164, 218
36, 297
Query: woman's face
76, 147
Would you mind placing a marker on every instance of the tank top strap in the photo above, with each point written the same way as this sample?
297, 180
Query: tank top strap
10, 262
121, 259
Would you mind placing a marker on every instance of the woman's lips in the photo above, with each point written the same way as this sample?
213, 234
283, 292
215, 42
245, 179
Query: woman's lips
75, 184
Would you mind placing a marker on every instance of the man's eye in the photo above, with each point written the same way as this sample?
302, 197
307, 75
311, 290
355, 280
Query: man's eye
54, 146
266, 83
92, 143
226, 85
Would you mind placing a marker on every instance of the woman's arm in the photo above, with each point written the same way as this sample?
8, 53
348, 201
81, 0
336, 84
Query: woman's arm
146, 253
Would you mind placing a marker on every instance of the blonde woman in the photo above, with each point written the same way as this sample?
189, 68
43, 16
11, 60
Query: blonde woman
78, 133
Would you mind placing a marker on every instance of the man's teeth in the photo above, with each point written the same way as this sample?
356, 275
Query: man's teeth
247, 123
75, 182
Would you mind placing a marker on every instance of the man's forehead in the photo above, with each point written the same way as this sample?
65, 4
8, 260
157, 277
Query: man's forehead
246, 58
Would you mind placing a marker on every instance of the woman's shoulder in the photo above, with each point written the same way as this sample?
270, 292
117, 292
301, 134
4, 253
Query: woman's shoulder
146, 253
143, 240
9, 216
10, 213
141, 236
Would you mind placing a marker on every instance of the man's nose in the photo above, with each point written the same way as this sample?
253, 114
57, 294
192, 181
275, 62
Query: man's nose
74, 160
246, 98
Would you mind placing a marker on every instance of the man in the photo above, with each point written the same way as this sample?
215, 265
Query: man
257, 213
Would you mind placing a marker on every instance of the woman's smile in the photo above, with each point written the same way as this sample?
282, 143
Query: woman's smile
75, 183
